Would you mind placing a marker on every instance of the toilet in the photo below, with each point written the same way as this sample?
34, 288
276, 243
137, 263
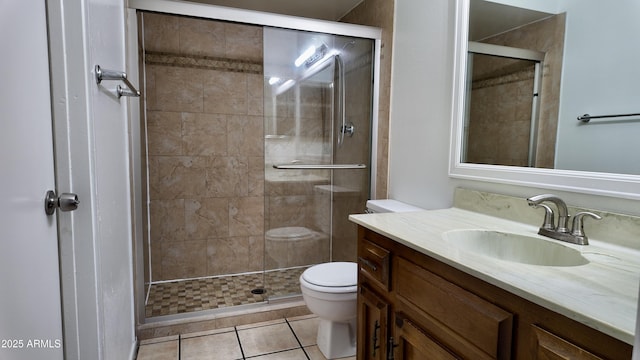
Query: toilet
330, 292
294, 246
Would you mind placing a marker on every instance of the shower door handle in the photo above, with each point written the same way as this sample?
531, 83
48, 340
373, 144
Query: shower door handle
319, 166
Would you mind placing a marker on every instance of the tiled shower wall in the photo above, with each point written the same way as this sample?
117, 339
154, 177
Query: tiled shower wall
546, 36
379, 13
204, 108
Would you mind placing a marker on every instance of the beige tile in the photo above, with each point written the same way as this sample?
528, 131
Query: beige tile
248, 318
201, 37
301, 317
256, 176
296, 354
245, 135
243, 41
159, 351
227, 176
178, 89
164, 133
227, 255
161, 32
156, 260
315, 354
177, 177
306, 330
255, 94
206, 332
184, 259
267, 339
246, 216
159, 340
149, 89
204, 134
256, 253
167, 220
222, 346
206, 218
257, 324
224, 92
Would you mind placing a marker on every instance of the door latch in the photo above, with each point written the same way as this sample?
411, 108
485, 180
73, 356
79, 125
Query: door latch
66, 202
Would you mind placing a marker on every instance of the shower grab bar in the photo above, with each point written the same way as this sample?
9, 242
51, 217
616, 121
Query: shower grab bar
104, 74
586, 117
318, 166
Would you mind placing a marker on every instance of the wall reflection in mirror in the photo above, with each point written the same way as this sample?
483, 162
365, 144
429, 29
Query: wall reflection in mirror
532, 70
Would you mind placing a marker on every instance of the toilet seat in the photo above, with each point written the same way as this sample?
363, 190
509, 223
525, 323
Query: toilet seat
289, 233
333, 277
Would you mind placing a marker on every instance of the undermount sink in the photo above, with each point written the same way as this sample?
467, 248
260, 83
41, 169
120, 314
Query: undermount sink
514, 247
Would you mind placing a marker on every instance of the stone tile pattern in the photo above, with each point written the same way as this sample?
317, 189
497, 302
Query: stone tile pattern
379, 13
204, 111
211, 192
186, 296
283, 339
501, 103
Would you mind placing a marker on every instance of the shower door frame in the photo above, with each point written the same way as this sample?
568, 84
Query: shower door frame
251, 17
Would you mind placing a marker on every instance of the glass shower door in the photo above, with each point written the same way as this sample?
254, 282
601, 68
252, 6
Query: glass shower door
317, 150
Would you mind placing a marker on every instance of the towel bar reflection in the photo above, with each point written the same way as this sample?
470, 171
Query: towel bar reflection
104, 74
586, 117
319, 166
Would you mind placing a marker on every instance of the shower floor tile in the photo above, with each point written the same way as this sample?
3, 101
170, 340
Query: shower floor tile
186, 296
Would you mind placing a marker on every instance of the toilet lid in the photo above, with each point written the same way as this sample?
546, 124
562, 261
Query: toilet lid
333, 274
289, 233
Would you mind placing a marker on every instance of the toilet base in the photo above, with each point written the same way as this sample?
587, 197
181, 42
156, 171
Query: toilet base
337, 339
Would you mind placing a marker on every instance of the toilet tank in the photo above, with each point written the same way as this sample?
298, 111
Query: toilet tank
389, 205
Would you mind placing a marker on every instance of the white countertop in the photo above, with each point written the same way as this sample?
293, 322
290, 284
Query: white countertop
602, 294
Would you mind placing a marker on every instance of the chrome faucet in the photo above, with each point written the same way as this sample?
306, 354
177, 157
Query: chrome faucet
561, 232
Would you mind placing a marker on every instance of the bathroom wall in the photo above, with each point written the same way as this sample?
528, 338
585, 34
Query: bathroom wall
380, 13
421, 115
601, 42
204, 104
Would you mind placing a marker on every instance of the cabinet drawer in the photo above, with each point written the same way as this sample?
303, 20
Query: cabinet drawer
458, 318
547, 346
374, 262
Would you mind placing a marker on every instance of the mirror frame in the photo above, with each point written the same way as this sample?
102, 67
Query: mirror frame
605, 184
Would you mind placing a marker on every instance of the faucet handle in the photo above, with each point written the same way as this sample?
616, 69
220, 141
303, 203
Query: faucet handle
577, 230
549, 221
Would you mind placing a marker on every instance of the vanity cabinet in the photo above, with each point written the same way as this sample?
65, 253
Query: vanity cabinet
412, 306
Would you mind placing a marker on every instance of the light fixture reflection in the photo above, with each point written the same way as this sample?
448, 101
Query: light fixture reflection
274, 80
305, 56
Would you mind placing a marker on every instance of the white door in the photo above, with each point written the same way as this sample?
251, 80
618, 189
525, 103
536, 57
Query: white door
30, 306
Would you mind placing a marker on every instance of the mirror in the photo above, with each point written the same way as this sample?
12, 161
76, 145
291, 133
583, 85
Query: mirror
593, 71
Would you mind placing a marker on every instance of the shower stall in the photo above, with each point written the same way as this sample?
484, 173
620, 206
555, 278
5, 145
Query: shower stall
503, 101
255, 144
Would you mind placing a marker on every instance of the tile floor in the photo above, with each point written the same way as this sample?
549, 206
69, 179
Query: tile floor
283, 339
186, 296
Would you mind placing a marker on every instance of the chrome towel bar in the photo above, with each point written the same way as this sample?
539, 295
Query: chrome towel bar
319, 166
104, 74
586, 117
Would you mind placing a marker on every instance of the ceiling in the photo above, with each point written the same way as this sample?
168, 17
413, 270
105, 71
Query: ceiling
316, 9
488, 18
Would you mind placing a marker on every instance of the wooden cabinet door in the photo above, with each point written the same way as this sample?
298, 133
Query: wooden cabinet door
547, 346
373, 315
412, 343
